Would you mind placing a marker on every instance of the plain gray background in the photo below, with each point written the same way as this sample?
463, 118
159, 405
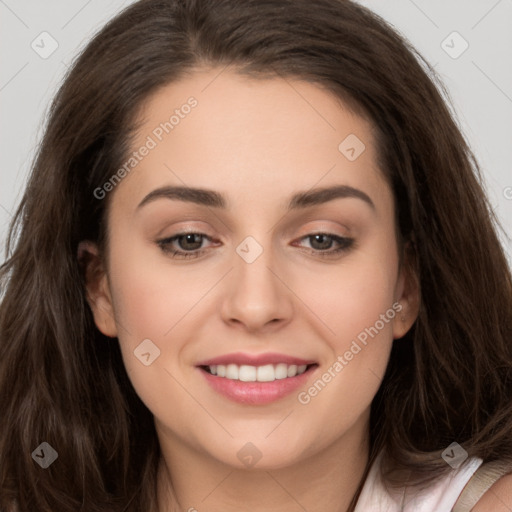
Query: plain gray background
479, 77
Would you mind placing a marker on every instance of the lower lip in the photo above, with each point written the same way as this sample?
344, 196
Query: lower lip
256, 393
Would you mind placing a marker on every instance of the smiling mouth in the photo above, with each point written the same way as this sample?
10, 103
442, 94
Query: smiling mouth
263, 373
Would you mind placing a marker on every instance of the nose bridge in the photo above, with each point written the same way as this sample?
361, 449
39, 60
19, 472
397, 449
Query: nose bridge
256, 296
255, 281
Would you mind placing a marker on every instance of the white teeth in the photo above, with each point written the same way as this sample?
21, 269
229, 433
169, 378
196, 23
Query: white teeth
292, 370
247, 373
281, 371
232, 371
266, 373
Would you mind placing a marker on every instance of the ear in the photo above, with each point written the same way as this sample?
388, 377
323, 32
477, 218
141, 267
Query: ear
408, 293
97, 287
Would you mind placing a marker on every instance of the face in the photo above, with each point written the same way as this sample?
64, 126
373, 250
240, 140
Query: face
261, 308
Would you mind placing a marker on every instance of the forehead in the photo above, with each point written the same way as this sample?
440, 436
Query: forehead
257, 137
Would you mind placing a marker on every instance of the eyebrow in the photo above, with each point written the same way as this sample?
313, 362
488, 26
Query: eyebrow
299, 200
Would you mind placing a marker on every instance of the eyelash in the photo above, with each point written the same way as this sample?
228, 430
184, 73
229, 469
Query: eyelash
344, 245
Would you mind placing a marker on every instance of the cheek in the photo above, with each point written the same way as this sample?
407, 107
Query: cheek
351, 296
361, 320
148, 304
151, 294
357, 307
157, 301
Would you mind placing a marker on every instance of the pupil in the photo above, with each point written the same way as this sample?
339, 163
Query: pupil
190, 239
324, 241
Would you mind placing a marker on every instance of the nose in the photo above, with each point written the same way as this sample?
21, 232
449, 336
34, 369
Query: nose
257, 296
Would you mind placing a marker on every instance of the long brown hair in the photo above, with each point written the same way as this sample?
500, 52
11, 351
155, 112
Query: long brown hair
64, 383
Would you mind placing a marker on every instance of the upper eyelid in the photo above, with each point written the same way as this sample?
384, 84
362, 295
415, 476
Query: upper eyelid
309, 233
174, 237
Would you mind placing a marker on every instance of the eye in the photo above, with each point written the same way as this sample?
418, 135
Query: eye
322, 244
189, 245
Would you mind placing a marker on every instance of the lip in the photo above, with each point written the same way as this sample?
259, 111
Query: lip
256, 393
240, 358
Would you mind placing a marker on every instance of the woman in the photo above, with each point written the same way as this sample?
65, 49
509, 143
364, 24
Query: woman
254, 266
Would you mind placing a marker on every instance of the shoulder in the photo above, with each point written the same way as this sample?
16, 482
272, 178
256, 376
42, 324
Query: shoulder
498, 498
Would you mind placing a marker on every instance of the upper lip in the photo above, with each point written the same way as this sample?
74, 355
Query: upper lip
240, 358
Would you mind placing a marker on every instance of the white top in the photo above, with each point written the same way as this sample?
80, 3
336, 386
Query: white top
440, 497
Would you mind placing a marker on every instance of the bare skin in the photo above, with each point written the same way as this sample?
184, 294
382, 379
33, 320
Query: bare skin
498, 498
256, 142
